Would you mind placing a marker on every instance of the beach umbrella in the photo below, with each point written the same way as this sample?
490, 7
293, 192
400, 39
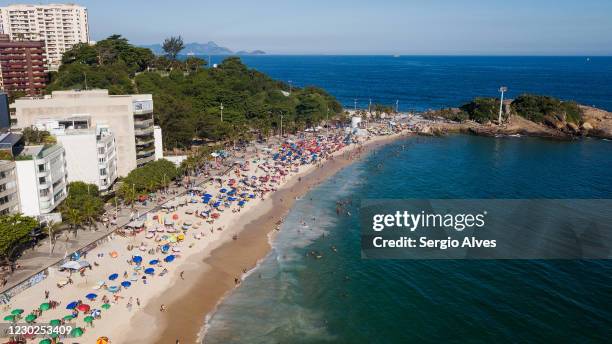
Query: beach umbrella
154, 262
126, 284
113, 289
17, 311
68, 317
88, 319
224, 190
169, 258
106, 306
165, 248
91, 296
149, 271
113, 277
241, 203
95, 313
76, 332
72, 305
83, 307
10, 318
45, 341
30, 318
137, 259
44, 306
55, 322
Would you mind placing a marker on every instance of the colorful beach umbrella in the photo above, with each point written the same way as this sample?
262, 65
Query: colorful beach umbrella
68, 317
154, 262
10, 318
149, 271
113, 277
126, 284
44, 306
91, 296
72, 305
17, 311
106, 306
30, 318
45, 341
137, 259
88, 319
169, 258
83, 307
55, 322
76, 332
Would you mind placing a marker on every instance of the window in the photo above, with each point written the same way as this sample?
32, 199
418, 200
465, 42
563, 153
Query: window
41, 168
42, 180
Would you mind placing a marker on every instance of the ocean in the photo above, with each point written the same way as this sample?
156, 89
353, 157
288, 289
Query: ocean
294, 298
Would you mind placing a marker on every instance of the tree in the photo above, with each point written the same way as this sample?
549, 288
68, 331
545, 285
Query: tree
172, 47
482, 110
536, 108
82, 205
14, 232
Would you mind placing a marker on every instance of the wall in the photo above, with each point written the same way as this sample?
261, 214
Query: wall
81, 157
28, 187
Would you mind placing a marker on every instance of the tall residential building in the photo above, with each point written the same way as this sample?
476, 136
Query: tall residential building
60, 26
9, 194
22, 66
130, 117
91, 154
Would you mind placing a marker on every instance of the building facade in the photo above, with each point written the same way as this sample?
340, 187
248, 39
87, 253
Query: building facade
41, 179
22, 66
59, 26
9, 194
91, 156
130, 118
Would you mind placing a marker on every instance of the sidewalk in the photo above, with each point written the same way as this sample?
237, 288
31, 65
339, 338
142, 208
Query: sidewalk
38, 258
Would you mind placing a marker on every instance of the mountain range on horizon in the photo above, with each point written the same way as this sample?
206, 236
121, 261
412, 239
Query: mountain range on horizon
209, 48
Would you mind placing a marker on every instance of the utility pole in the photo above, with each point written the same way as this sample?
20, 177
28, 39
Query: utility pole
355, 105
370, 107
221, 107
501, 103
397, 106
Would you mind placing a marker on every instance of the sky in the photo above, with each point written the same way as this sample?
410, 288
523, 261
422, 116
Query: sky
432, 27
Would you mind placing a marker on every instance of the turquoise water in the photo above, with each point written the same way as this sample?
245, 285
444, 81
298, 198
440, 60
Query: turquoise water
340, 298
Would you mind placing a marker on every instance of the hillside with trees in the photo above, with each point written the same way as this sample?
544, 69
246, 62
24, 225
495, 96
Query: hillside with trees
188, 96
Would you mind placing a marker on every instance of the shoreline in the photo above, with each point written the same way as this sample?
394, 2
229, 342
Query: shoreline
211, 277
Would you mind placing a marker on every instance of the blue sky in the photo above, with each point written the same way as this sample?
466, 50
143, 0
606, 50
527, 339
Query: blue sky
509, 27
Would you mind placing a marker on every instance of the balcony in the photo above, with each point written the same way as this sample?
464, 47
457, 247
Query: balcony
142, 161
139, 124
144, 132
143, 107
144, 142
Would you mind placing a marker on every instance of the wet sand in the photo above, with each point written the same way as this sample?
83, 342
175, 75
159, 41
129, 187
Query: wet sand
211, 277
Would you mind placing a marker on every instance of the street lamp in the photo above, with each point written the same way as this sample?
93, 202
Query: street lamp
501, 103
355, 105
221, 108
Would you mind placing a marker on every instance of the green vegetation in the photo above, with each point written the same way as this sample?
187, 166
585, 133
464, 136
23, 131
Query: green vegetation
537, 108
33, 136
82, 205
481, 110
14, 232
188, 97
151, 177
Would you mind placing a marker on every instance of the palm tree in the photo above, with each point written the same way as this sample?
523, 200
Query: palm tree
90, 213
74, 218
52, 229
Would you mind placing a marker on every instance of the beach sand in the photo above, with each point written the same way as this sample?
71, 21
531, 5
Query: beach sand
190, 301
209, 267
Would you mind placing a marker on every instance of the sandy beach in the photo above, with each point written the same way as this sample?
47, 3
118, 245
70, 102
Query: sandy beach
207, 267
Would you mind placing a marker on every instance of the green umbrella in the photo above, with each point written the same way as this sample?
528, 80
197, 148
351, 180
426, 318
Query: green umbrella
88, 319
30, 318
68, 317
45, 341
55, 322
76, 332
17, 311
44, 306
106, 306
9, 318
54, 335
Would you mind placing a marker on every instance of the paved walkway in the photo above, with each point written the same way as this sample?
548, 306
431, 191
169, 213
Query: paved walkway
42, 256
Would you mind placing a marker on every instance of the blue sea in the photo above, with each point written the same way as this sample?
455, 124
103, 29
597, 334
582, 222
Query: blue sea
293, 298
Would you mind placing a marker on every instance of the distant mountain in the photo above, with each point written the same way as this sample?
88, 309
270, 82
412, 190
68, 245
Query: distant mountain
210, 48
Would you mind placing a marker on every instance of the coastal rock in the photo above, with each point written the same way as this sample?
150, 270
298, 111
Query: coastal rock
587, 126
573, 127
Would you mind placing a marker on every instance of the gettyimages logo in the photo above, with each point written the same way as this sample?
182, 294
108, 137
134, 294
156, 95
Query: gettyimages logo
507, 229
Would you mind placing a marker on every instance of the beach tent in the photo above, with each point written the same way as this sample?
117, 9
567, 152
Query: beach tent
75, 265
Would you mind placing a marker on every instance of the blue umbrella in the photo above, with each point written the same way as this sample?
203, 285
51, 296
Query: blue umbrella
231, 199
208, 195
169, 258
126, 284
165, 248
137, 259
149, 271
154, 262
113, 277
72, 305
91, 296
241, 203
217, 204
252, 196
224, 190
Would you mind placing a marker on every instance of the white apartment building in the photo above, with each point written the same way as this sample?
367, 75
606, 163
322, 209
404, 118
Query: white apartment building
60, 26
41, 178
91, 154
9, 194
130, 118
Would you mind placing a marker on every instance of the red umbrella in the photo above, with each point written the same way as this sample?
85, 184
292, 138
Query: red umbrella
215, 215
83, 307
175, 217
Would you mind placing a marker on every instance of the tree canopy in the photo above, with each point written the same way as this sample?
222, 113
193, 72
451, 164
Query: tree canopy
482, 110
172, 46
14, 231
536, 108
151, 177
188, 97
83, 204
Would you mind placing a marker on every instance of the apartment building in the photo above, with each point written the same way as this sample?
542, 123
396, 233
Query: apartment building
9, 194
130, 118
91, 154
59, 26
22, 66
